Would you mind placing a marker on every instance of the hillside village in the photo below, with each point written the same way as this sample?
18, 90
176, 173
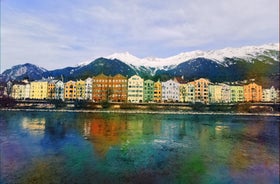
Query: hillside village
118, 88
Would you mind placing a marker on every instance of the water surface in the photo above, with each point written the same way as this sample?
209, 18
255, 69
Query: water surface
56, 147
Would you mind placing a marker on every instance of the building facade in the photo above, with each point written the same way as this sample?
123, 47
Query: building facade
148, 91
119, 85
187, 93
51, 89
201, 90
70, 90
39, 89
226, 93
59, 90
215, 93
170, 91
18, 91
100, 88
236, 94
80, 90
157, 91
270, 95
88, 89
252, 92
135, 89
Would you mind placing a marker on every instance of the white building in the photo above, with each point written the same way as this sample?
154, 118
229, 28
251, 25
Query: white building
170, 91
59, 90
270, 95
88, 91
21, 90
135, 89
225, 93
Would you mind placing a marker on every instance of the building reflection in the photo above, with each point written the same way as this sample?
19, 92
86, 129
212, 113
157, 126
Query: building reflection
105, 133
34, 126
251, 150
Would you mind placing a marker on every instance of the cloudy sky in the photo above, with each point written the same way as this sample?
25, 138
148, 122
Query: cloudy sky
56, 34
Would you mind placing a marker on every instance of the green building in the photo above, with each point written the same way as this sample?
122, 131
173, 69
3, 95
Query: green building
148, 91
237, 94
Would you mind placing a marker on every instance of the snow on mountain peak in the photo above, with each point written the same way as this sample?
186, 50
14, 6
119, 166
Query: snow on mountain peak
245, 52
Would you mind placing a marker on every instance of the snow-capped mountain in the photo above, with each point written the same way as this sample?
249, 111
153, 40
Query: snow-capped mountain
229, 64
246, 52
26, 70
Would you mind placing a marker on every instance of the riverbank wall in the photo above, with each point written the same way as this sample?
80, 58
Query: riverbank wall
270, 108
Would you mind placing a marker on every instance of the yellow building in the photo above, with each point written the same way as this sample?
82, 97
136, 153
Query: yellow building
201, 90
157, 91
70, 90
252, 92
39, 89
18, 91
80, 90
215, 93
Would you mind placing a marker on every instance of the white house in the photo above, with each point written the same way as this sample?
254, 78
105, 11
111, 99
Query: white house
135, 89
170, 91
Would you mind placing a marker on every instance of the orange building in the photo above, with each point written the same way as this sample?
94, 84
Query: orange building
51, 89
119, 84
252, 92
201, 90
108, 88
70, 90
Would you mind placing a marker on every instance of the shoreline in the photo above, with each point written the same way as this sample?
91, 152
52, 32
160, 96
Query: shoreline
142, 112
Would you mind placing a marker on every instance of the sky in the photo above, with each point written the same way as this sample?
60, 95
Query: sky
57, 34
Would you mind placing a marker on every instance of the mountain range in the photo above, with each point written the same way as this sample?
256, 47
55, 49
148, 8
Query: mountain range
229, 64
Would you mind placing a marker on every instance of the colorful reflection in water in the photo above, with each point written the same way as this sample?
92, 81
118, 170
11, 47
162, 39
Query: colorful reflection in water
41, 147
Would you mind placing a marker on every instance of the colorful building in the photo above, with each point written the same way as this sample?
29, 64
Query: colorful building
88, 89
108, 88
157, 91
187, 91
236, 94
252, 92
100, 88
135, 89
70, 90
59, 90
215, 93
81, 90
119, 91
39, 89
170, 91
51, 89
270, 95
148, 91
18, 91
225, 93
201, 90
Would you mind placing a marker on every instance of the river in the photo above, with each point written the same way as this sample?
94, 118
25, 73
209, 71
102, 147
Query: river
63, 147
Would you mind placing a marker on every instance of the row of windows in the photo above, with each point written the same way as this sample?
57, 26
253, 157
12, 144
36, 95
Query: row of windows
135, 91
135, 95
102, 80
105, 85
